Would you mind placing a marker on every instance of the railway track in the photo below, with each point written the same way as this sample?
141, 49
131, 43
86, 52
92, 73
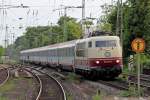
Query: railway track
121, 85
124, 84
4, 76
50, 88
145, 79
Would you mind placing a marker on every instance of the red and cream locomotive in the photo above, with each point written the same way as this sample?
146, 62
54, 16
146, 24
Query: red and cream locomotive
99, 56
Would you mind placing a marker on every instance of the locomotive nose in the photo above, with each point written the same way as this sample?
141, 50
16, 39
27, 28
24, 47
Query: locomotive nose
105, 62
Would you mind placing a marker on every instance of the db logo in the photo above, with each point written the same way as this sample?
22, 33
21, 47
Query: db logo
107, 54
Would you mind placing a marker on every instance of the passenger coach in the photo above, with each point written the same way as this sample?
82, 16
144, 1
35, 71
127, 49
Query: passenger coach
99, 56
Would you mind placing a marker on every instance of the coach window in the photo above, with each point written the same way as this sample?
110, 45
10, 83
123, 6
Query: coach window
90, 44
70, 51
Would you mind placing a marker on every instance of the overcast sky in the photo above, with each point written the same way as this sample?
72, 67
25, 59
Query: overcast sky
40, 12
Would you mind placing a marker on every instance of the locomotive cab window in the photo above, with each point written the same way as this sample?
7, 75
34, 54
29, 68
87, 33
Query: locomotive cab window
109, 43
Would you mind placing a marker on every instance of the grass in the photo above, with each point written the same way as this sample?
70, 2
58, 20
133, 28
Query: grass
69, 96
3, 98
73, 78
132, 92
97, 96
30, 81
144, 61
8, 86
8, 61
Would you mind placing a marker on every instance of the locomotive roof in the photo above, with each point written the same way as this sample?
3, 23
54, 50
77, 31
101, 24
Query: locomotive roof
70, 43
99, 38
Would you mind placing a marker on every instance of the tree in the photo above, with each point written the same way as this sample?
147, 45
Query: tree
139, 23
1, 51
73, 29
46, 35
106, 27
136, 15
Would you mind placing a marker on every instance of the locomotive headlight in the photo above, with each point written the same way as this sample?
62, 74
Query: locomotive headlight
97, 62
117, 61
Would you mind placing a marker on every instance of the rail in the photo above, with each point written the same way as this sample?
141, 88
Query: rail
58, 83
6, 77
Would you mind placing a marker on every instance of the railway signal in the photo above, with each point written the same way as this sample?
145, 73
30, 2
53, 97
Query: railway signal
138, 46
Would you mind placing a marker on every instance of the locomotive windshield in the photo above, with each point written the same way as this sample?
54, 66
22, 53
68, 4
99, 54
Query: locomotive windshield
108, 43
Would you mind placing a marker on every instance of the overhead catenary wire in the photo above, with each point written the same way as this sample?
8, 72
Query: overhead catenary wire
52, 4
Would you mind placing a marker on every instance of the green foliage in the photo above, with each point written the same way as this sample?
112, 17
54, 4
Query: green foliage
3, 98
73, 30
97, 96
67, 19
136, 15
8, 86
1, 51
69, 96
88, 23
46, 35
132, 92
72, 77
106, 27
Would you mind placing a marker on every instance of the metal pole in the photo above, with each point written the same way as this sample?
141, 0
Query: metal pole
6, 41
51, 27
65, 33
121, 21
13, 40
83, 17
138, 73
118, 13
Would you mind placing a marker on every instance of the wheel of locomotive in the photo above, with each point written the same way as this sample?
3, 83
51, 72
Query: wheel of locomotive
77, 71
86, 73
108, 76
92, 75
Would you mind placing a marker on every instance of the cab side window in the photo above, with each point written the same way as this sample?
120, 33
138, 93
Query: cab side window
80, 50
90, 44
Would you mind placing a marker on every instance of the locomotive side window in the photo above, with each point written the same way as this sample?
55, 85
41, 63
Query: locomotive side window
90, 44
109, 43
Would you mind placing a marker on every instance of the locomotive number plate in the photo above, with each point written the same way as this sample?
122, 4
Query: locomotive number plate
107, 61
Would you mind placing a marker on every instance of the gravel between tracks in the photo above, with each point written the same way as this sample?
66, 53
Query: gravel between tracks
50, 90
86, 90
3, 75
19, 88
